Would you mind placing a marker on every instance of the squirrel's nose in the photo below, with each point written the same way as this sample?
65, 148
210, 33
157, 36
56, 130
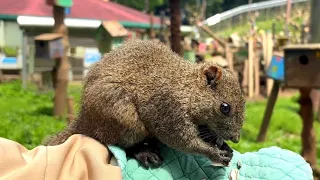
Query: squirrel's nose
235, 139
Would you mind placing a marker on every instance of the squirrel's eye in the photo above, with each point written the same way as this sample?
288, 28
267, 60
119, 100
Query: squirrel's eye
225, 108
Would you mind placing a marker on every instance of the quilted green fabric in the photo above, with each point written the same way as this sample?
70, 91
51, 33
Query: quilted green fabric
268, 163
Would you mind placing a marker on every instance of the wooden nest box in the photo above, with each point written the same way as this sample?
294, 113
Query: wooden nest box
302, 66
49, 46
110, 35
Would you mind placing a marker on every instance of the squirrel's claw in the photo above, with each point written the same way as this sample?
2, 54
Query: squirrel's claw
149, 159
146, 153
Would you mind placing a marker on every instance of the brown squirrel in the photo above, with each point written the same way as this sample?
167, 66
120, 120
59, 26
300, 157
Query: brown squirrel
143, 91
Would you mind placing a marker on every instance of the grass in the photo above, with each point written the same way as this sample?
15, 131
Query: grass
284, 130
261, 25
26, 117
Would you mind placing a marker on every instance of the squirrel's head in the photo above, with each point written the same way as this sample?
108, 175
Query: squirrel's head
220, 104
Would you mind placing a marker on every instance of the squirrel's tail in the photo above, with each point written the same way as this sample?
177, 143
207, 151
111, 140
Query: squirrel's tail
58, 138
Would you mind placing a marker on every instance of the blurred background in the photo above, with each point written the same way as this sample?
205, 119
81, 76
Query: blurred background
47, 46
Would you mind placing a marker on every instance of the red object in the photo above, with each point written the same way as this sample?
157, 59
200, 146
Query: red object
202, 47
83, 9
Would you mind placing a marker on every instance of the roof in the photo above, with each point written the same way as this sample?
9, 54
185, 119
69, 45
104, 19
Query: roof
48, 36
114, 28
81, 9
311, 46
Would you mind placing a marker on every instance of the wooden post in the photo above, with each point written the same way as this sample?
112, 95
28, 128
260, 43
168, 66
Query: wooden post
308, 137
267, 114
309, 149
71, 114
315, 28
24, 59
1, 76
162, 38
61, 69
245, 76
288, 14
269, 52
175, 26
151, 32
31, 59
229, 57
250, 68
274, 32
256, 74
221, 42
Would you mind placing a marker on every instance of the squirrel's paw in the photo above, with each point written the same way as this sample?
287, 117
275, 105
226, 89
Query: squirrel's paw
146, 153
149, 159
223, 158
229, 151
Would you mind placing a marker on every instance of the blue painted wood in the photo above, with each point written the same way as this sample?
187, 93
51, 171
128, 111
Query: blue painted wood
9, 60
276, 68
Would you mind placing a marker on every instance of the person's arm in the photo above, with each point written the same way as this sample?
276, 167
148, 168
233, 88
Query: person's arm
79, 157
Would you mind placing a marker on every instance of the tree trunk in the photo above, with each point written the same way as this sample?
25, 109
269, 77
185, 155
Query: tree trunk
146, 6
175, 26
151, 32
62, 65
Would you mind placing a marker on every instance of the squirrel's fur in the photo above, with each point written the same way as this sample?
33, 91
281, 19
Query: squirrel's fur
142, 89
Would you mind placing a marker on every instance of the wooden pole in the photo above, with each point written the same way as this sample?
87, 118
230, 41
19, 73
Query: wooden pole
288, 17
315, 34
146, 5
308, 137
175, 26
206, 29
309, 149
256, 72
245, 76
24, 59
229, 57
151, 32
269, 52
1, 76
71, 114
268, 113
162, 38
250, 68
62, 65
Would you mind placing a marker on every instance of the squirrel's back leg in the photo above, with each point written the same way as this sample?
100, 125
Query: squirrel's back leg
108, 114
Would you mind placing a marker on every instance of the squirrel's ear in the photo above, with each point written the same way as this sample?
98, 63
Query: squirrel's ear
213, 74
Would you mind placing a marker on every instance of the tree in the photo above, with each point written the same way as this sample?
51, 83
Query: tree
142, 5
62, 65
175, 26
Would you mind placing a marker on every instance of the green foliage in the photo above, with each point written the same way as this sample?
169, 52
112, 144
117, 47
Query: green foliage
25, 116
213, 6
140, 4
9, 51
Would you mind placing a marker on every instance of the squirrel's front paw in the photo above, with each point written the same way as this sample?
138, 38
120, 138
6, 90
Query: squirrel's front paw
223, 158
227, 148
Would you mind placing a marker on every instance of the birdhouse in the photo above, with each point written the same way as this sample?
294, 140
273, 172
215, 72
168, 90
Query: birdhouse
276, 68
110, 35
49, 46
302, 66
